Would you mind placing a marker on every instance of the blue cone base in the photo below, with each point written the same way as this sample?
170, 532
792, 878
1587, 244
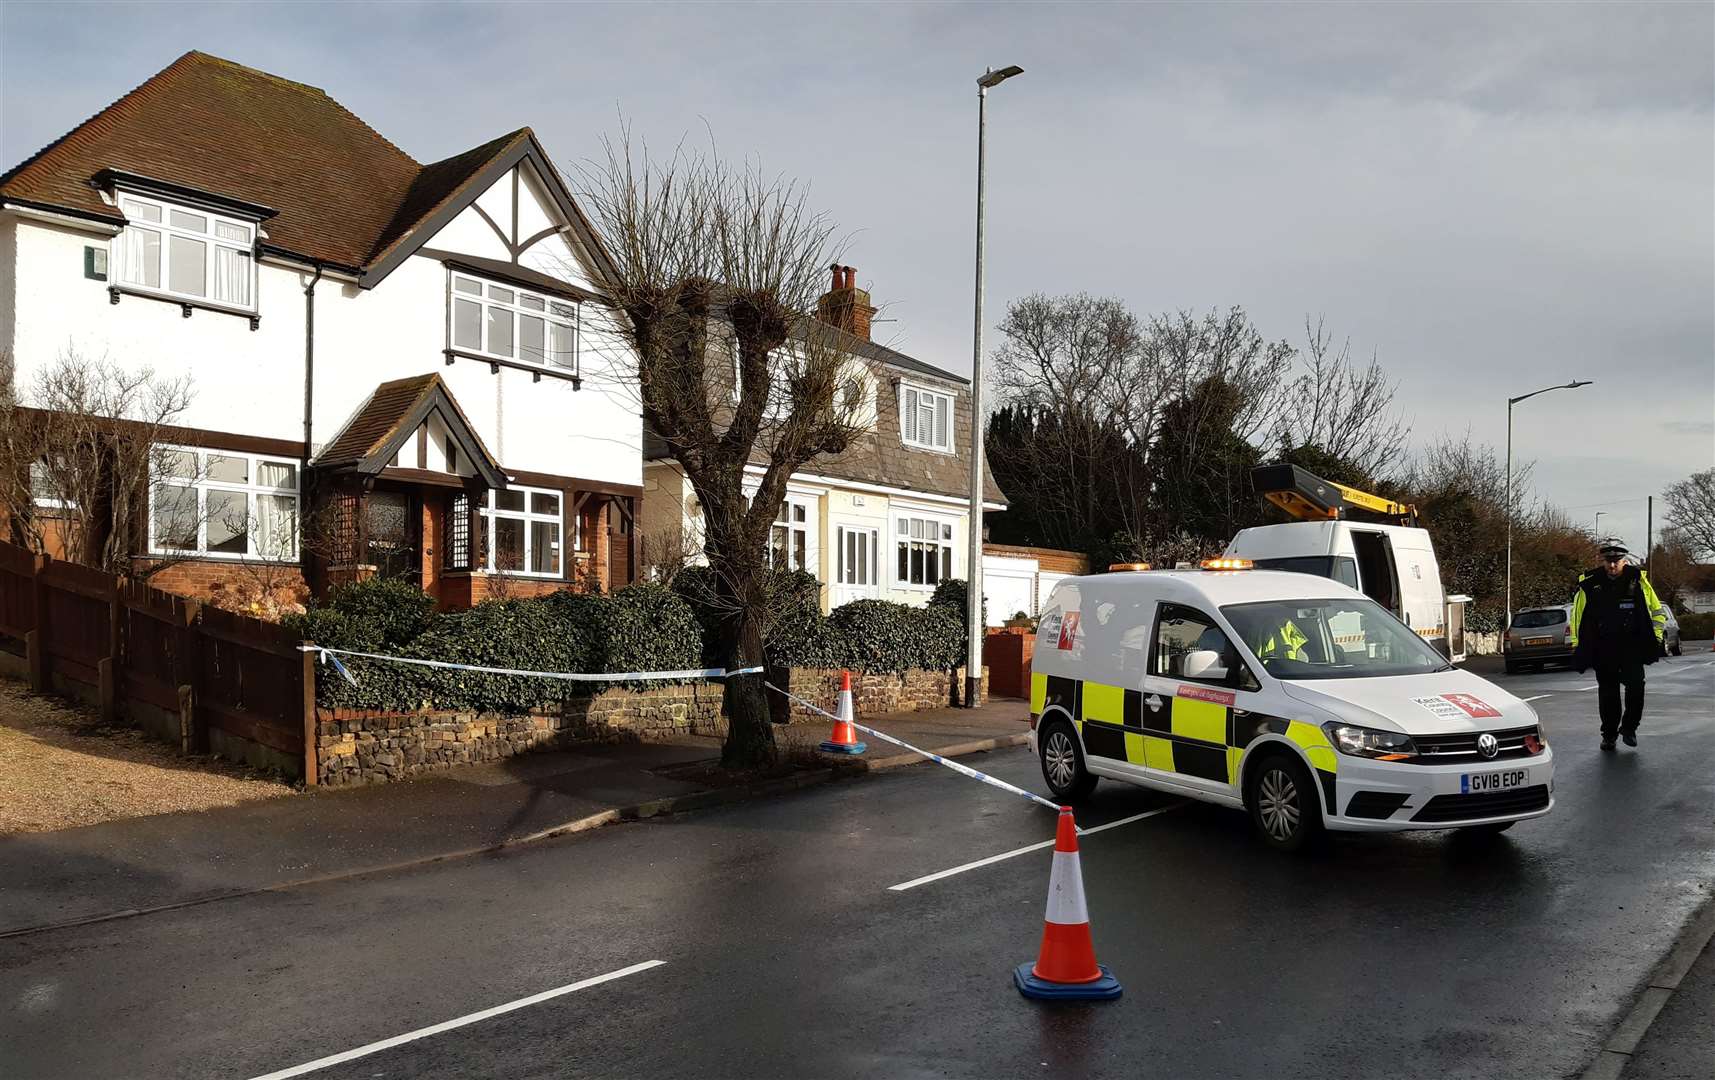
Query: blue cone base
1105, 988
845, 748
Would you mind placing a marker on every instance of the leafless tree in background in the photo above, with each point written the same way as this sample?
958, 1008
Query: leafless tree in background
82, 450
714, 270
1343, 410
1691, 511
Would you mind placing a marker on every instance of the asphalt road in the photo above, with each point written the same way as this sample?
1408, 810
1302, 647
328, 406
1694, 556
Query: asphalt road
784, 953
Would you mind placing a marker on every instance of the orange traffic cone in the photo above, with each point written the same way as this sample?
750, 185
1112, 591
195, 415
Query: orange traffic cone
844, 739
1066, 968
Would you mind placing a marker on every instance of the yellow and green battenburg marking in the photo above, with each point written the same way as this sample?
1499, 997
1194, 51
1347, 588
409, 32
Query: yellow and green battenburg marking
1189, 736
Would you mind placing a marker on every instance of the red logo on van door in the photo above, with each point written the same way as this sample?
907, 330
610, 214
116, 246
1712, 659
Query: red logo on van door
1203, 693
1069, 630
1474, 707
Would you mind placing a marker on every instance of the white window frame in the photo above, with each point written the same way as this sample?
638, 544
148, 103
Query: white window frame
946, 529
202, 485
489, 514
808, 527
555, 311
118, 262
47, 502
911, 405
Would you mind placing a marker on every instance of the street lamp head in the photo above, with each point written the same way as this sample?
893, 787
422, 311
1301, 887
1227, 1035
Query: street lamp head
1576, 383
991, 79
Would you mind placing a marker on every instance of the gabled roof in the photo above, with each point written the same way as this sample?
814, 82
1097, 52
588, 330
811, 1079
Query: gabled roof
344, 195
391, 416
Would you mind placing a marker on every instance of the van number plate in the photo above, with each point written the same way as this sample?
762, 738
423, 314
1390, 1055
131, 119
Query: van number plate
1538, 641
1485, 782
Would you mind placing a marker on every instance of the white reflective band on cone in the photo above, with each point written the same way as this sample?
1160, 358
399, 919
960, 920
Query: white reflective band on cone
1066, 891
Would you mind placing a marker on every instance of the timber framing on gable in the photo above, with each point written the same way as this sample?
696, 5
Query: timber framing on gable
524, 150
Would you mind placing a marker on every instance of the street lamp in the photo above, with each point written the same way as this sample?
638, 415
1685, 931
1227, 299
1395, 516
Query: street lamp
974, 576
1598, 529
1575, 384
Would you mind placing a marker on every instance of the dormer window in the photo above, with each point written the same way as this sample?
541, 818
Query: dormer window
508, 323
186, 253
926, 418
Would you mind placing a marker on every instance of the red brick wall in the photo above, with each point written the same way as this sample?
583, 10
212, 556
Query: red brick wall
232, 585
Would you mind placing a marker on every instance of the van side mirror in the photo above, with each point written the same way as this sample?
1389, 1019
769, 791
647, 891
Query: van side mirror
1204, 664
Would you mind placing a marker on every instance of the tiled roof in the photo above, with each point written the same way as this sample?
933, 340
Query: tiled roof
377, 420
343, 192
391, 415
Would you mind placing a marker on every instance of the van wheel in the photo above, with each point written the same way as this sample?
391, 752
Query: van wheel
1512, 668
1063, 763
1283, 804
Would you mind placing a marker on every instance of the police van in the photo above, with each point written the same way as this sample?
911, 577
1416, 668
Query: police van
1295, 698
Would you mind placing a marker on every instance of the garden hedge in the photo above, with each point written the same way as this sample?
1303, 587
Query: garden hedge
643, 627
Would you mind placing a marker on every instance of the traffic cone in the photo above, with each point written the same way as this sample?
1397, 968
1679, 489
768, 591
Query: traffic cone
1066, 968
844, 739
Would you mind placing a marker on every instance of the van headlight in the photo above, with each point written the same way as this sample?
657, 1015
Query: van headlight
1370, 743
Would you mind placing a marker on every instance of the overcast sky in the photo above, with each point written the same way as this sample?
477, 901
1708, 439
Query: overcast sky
1491, 198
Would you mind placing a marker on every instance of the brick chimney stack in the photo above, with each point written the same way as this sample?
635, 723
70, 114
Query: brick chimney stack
845, 305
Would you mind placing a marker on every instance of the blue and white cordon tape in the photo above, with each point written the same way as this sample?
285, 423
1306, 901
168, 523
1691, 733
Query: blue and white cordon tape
936, 758
328, 654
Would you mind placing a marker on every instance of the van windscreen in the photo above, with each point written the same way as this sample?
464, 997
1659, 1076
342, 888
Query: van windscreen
1334, 567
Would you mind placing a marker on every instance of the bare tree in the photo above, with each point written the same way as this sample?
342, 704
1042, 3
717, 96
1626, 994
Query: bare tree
85, 462
1343, 410
1691, 511
709, 261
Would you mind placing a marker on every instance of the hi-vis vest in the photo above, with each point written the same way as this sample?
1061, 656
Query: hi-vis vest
1286, 643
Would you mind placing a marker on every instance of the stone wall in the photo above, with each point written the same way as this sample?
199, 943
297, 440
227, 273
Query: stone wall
873, 694
365, 746
360, 746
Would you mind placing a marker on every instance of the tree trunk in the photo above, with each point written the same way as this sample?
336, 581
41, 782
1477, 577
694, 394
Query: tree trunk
750, 735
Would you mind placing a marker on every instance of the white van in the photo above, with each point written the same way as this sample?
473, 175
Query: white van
1394, 565
1295, 698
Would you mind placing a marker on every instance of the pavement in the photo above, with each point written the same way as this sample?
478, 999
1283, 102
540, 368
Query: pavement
772, 938
1680, 1044
121, 867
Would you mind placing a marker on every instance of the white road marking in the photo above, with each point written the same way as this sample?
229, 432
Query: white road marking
1003, 856
1538, 697
448, 1025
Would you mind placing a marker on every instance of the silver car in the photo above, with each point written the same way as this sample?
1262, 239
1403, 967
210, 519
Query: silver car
1539, 636
1670, 636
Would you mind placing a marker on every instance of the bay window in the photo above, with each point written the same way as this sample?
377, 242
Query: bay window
924, 546
185, 252
509, 323
523, 531
223, 505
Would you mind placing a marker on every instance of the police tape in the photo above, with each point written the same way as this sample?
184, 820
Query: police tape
328, 654
936, 758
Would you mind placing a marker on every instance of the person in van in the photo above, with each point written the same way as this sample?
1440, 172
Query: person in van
1617, 626
1285, 641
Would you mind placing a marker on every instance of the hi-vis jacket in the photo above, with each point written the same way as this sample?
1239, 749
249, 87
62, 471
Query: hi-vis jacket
1633, 588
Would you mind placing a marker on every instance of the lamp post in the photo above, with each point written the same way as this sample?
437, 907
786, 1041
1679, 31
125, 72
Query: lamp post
974, 576
1598, 525
1508, 614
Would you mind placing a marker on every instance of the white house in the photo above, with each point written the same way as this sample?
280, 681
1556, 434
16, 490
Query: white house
398, 347
887, 519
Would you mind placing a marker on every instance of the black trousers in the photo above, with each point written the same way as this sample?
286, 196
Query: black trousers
1610, 676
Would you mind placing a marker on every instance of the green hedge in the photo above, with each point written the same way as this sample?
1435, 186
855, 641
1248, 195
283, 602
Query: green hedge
644, 627
1697, 627
639, 628
378, 615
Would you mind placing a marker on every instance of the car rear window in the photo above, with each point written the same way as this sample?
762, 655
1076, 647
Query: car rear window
1547, 617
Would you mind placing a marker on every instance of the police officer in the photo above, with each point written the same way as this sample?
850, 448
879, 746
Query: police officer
1617, 626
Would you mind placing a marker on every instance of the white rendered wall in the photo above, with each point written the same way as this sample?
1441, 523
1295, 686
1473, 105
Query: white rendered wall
252, 382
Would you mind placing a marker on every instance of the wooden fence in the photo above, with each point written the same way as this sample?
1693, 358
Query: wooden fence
236, 685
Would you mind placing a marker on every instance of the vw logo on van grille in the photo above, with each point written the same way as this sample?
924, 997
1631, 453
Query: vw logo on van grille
1487, 745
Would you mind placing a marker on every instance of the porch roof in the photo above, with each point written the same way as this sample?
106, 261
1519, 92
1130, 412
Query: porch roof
391, 415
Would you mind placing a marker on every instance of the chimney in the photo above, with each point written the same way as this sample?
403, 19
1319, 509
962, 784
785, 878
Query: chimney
845, 305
